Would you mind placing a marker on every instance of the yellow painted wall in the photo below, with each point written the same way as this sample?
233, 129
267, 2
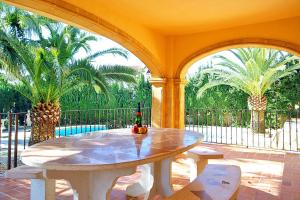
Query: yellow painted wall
282, 33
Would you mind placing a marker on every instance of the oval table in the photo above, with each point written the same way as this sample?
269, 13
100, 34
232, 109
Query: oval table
92, 162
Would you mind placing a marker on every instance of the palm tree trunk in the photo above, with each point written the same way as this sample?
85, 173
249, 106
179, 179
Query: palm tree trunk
44, 119
258, 106
258, 121
226, 119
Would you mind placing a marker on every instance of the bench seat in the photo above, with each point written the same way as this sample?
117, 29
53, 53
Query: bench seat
200, 157
216, 182
205, 153
24, 172
41, 188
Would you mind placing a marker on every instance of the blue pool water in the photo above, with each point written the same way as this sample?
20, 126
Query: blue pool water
67, 131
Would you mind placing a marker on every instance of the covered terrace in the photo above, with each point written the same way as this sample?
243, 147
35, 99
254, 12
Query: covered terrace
169, 36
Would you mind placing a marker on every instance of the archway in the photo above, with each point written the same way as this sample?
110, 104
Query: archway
239, 121
68, 101
236, 43
76, 16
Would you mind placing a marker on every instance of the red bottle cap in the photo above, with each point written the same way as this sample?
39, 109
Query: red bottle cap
138, 113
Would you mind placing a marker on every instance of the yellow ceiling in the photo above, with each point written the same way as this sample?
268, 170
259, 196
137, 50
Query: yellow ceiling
191, 16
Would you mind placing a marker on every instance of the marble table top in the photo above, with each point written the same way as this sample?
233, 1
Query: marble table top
115, 148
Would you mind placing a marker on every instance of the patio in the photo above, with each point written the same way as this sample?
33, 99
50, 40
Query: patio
168, 43
266, 174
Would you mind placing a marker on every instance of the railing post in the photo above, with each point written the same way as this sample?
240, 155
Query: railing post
270, 128
283, 134
247, 126
25, 126
290, 129
71, 128
277, 137
65, 123
16, 140
241, 127
9, 141
297, 138
0, 129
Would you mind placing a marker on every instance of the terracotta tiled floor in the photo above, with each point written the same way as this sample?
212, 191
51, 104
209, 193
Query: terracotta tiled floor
266, 175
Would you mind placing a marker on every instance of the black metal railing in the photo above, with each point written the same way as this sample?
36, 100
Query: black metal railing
276, 129
16, 128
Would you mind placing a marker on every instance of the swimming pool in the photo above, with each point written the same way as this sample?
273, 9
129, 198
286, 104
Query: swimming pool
73, 130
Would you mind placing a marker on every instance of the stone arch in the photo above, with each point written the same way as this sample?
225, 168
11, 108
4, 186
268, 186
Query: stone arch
70, 14
237, 43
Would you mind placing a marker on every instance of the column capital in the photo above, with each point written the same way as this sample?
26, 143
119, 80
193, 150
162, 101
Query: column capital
180, 81
158, 81
163, 81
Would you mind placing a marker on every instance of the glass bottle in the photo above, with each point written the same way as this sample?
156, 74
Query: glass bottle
138, 118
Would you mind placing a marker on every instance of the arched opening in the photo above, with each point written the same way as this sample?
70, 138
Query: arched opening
236, 43
230, 127
76, 113
75, 16
225, 112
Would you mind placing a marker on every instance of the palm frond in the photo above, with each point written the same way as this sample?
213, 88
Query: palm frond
113, 51
118, 73
46, 66
253, 71
227, 63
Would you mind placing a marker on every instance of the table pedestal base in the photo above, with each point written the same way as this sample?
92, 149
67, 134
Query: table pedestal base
196, 167
155, 180
144, 184
42, 189
91, 185
162, 173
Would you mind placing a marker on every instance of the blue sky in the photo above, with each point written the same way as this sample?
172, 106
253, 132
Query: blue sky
105, 43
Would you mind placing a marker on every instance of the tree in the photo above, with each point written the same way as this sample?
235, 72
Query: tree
142, 92
123, 95
253, 71
285, 93
46, 69
10, 98
222, 97
21, 24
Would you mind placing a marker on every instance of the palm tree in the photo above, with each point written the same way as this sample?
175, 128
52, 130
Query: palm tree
21, 24
253, 71
48, 69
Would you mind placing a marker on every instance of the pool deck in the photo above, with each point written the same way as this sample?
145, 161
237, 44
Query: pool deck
266, 175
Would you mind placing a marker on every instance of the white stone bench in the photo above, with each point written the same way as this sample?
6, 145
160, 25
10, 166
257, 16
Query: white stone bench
216, 182
200, 156
41, 188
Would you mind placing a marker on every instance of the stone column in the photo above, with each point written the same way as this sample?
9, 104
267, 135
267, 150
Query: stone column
158, 98
168, 105
180, 103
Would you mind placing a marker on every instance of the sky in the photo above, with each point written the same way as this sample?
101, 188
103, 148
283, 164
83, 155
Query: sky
105, 43
209, 60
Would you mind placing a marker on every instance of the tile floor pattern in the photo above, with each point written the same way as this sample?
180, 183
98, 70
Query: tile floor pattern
266, 175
